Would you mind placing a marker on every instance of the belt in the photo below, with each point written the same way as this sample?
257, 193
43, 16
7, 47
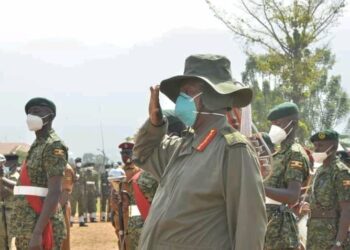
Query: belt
134, 211
90, 182
321, 213
29, 190
270, 201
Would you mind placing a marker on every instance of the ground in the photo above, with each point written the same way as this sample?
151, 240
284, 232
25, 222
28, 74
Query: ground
98, 235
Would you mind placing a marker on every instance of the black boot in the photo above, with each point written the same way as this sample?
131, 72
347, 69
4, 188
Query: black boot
82, 224
92, 220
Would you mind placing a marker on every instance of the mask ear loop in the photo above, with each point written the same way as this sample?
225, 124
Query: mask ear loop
287, 127
194, 97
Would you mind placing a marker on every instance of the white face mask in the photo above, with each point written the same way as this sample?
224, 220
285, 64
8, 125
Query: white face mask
278, 134
35, 122
320, 157
79, 164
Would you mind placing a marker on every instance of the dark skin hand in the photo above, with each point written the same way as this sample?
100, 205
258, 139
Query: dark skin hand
54, 183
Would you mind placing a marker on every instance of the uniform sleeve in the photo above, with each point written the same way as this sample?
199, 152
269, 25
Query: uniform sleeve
243, 192
297, 168
343, 186
153, 148
55, 159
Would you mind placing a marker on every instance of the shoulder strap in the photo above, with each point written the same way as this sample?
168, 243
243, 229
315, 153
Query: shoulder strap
141, 201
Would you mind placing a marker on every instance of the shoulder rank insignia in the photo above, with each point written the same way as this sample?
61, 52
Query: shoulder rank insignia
346, 183
296, 164
58, 152
207, 140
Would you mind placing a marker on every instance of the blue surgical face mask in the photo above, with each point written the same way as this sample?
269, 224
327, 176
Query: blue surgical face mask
185, 108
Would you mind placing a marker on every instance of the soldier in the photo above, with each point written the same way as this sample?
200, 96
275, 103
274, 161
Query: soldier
330, 196
105, 193
78, 194
39, 221
283, 186
92, 191
67, 188
7, 183
130, 170
210, 176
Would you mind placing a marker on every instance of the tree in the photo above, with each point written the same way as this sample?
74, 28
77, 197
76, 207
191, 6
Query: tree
292, 63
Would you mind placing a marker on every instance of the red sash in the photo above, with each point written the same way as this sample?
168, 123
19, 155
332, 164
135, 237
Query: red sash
141, 201
36, 203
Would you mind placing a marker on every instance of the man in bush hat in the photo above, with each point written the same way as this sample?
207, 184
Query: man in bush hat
39, 221
283, 186
210, 193
330, 196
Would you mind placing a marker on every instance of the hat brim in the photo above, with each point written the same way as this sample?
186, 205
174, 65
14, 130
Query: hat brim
242, 96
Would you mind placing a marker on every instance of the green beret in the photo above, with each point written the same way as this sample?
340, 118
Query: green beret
267, 139
40, 101
283, 110
11, 157
325, 135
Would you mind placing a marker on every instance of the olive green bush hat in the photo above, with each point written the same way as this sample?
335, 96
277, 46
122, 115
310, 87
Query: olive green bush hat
214, 70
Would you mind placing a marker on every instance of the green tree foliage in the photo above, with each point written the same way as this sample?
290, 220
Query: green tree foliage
290, 63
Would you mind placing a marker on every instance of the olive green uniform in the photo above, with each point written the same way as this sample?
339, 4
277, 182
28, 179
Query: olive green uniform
105, 193
78, 195
331, 185
46, 158
148, 186
289, 164
92, 191
208, 197
8, 205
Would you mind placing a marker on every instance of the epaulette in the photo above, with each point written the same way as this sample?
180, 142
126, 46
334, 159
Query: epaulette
232, 136
342, 167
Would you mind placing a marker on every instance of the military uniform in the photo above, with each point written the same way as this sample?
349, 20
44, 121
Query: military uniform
78, 196
204, 189
67, 188
8, 205
46, 158
148, 186
105, 193
92, 191
289, 164
330, 186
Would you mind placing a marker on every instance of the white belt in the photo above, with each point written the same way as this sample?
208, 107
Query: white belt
271, 201
29, 190
90, 182
134, 211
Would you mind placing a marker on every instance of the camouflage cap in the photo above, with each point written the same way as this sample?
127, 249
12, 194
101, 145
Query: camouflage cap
283, 110
325, 135
214, 70
40, 101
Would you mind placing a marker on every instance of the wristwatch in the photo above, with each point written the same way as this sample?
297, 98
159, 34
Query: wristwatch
338, 243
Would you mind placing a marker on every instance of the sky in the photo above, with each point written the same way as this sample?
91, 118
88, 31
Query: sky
97, 58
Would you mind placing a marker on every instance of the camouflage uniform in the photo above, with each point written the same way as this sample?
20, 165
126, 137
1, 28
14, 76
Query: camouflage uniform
9, 205
92, 190
290, 164
330, 186
78, 195
148, 186
46, 158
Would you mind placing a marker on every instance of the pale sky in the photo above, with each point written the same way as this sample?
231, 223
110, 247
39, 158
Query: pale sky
97, 58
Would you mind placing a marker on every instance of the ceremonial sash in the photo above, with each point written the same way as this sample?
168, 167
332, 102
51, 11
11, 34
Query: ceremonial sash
141, 201
36, 203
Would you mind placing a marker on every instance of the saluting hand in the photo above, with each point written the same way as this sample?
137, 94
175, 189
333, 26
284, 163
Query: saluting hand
154, 109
